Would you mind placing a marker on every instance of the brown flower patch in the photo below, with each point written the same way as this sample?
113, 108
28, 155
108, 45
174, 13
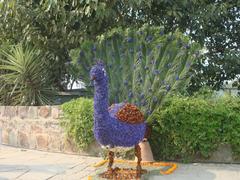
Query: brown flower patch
130, 114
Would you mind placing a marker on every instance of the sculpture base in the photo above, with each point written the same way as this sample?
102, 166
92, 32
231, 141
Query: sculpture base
124, 173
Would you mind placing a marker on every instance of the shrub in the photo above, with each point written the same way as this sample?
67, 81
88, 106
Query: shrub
23, 77
78, 121
186, 127
230, 124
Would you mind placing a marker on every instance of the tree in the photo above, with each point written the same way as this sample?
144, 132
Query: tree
54, 27
58, 26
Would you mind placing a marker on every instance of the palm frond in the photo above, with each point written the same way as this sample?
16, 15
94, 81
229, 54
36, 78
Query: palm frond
24, 76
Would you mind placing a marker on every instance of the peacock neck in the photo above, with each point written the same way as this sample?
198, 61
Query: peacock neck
101, 113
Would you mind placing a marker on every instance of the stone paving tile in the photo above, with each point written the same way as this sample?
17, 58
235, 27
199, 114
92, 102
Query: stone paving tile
79, 171
202, 172
28, 164
13, 174
37, 165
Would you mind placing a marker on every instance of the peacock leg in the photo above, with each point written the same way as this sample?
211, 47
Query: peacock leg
139, 159
110, 160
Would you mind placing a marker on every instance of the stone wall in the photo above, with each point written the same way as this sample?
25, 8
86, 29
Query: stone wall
38, 128
34, 128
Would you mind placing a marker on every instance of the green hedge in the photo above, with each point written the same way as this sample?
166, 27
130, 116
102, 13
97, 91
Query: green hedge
186, 127
78, 121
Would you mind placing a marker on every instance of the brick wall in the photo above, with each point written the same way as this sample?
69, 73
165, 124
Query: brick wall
34, 128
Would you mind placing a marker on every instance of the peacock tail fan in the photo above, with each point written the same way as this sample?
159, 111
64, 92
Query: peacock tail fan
144, 65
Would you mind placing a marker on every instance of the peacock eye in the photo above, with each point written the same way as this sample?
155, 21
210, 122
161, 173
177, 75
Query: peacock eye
104, 72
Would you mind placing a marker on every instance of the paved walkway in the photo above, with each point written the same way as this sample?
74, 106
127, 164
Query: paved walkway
33, 165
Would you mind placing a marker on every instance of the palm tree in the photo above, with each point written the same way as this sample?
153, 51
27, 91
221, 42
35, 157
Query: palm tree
23, 77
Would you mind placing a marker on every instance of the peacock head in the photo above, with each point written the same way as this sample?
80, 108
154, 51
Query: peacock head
98, 72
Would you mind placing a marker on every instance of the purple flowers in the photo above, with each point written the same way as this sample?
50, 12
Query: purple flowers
108, 130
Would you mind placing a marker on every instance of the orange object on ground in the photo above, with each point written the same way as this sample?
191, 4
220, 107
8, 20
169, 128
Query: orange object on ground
173, 166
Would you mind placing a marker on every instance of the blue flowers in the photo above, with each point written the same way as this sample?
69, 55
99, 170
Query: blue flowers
94, 48
187, 46
140, 48
81, 53
156, 72
139, 55
149, 38
131, 50
188, 65
169, 65
140, 33
108, 43
169, 38
140, 80
69, 62
155, 99
142, 95
130, 39
177, 78
161, 33
130, 95
197, 53
149, 112
125, 83
112, 54
179, 42
143, 102
168, 87
78, 61
153, 62
149, 51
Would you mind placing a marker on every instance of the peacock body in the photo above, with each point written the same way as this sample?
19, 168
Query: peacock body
121, 125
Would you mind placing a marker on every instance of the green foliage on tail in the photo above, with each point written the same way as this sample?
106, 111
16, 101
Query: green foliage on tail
144, 65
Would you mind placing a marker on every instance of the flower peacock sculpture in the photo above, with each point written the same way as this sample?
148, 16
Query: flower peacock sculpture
118, 126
